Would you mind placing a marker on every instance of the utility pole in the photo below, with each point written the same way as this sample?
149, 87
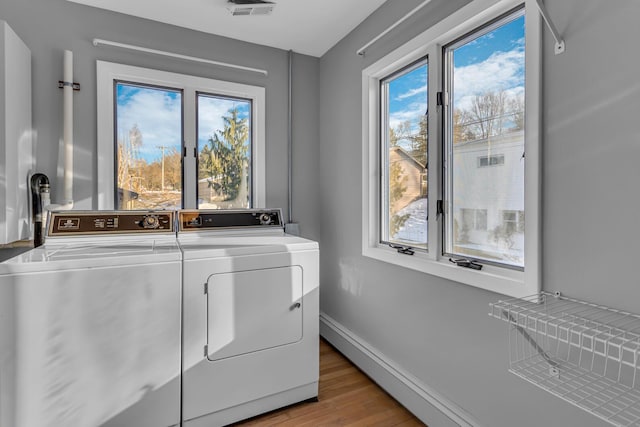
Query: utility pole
162, 147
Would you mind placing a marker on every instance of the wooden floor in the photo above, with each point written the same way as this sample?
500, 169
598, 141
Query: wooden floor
347, 397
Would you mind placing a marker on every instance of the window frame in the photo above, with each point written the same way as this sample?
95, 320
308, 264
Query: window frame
385, 164
109, 72
429, 44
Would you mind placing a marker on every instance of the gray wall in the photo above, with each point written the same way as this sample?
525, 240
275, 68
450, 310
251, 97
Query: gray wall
49, 27
438, 330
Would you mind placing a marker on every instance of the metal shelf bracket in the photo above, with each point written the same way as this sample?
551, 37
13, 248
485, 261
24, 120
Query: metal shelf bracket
559, 46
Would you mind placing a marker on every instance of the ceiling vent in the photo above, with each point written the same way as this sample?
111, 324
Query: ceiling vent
250, 7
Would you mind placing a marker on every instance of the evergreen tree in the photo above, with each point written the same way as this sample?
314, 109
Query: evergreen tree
397, 187
223, 160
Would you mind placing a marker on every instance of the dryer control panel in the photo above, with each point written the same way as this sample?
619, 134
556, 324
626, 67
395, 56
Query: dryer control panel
70, 223
192, 220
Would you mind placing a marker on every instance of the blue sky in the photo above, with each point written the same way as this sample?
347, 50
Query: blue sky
157, 112
494, 61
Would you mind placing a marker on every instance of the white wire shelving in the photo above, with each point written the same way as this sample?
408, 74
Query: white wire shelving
586, 354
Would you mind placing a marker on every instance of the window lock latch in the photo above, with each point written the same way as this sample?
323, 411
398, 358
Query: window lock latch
467, 263
439, 209
406, 250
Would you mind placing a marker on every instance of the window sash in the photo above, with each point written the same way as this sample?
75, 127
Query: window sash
246, 183
140, 187
394, 169
496, 247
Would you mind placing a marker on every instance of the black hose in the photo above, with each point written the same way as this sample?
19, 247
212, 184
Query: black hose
38, 180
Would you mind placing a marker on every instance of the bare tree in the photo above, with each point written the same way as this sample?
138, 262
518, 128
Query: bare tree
487, 113
491, 113
516, 108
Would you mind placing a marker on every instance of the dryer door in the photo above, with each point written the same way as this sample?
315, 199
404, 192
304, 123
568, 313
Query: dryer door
253, 310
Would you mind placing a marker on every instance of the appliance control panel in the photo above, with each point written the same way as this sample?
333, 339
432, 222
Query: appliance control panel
70, 223
193, 220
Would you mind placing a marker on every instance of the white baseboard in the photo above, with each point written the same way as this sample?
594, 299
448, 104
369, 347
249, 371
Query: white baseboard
425, 403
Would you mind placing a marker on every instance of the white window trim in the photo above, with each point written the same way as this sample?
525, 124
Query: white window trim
493, 278
107, 72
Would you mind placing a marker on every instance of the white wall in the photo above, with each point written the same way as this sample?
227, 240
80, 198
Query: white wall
436, 330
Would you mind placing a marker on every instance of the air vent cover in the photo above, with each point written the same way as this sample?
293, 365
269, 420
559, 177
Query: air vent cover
250, 7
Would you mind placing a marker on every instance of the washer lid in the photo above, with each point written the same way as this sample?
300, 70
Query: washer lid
74, 253
209, 245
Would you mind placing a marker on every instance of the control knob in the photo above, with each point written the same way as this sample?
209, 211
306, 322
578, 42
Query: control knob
265, 219
151, 221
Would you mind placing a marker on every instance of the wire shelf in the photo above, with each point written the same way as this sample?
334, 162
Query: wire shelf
586, 354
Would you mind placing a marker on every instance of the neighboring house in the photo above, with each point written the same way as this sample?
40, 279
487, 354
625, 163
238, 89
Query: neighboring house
416, 177
486, 202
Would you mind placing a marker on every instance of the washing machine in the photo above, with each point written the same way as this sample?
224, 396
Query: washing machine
250, 315
90, 324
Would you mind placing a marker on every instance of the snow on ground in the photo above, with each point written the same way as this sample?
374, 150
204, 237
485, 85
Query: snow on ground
414, 229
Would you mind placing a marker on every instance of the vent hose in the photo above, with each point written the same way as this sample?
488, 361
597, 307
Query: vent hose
39, 189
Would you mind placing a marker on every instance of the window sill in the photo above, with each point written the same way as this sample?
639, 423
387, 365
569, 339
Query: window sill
495, 279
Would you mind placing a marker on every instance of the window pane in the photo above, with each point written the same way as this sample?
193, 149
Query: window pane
404, 150
485, 143
149, 147
224, 152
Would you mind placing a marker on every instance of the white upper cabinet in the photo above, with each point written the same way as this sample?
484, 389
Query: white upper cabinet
16, 144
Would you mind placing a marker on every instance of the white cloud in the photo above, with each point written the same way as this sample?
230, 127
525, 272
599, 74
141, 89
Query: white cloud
159, 118
501, 71
412, 92
210, 112
412, 113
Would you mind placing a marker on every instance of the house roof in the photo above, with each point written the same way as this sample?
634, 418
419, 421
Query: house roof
401, 151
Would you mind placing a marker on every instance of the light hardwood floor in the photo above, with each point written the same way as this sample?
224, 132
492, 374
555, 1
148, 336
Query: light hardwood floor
347, 397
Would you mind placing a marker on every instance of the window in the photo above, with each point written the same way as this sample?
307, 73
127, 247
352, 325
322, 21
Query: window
404, 141
168, 141
224, 152
512, 222
485, 161
474, 219
484, 80
148, 153
460, 101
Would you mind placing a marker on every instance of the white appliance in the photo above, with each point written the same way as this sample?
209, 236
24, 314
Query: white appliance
250, 313
90, 324
16, 142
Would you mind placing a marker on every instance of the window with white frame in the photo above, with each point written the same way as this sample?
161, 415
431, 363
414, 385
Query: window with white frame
472, 105
168, 141
484, 112
404, 152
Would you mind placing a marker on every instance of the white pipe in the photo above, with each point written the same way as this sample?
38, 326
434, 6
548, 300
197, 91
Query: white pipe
68, 126
67, 136
385, 32
98, 42
290, 136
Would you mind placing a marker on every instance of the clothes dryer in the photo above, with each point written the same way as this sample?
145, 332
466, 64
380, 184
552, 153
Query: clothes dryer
90, 324
250, 331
